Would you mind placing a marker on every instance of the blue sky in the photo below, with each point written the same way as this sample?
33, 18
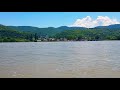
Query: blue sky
49, 19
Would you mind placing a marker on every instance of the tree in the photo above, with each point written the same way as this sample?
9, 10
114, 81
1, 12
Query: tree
31, 37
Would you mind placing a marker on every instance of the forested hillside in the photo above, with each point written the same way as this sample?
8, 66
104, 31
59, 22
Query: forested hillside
90, 35
29, 33
12, 35
49, 31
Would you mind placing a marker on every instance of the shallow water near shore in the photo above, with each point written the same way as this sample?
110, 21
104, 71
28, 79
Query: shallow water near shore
60, 59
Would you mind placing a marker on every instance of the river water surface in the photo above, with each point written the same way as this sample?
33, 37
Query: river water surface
60, 59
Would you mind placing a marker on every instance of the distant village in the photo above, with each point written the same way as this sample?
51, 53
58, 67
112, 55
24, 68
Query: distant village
50, 39
46, 38
54, 39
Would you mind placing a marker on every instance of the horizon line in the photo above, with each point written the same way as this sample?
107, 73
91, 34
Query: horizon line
52, 26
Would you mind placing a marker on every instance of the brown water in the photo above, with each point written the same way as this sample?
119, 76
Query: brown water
60, 59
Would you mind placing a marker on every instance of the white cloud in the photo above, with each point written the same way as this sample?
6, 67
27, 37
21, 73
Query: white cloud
99, 21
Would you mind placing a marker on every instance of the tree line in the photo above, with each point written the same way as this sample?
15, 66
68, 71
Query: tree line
89, 34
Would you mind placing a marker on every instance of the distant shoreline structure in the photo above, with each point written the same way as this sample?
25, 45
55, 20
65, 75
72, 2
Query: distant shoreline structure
60, 41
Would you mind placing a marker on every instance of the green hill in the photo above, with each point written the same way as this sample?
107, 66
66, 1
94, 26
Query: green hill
90, 35
40, 31
29, 33
11, 35
49, 31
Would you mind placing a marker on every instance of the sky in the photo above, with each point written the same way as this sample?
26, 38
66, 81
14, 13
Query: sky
57, 19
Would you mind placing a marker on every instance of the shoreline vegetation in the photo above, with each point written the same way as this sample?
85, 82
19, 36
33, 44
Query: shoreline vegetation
63, 33
47, 40
58, 41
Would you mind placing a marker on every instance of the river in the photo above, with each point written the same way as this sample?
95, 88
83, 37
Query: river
79, 59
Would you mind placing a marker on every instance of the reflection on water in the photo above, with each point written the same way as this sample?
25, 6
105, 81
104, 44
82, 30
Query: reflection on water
60, 59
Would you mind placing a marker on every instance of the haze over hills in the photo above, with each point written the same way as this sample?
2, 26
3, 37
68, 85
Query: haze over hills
59, 29
113, 26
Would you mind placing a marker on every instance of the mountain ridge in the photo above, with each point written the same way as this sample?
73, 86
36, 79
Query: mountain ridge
66, 27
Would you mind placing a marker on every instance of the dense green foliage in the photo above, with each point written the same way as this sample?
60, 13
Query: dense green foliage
28, 33
43, 32
11, 35
90, 34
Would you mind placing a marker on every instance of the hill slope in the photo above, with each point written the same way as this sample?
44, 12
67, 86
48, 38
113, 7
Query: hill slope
50, 31
111, 32
114, 26
8, 34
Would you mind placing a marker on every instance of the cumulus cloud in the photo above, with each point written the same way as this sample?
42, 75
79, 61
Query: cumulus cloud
99, 21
